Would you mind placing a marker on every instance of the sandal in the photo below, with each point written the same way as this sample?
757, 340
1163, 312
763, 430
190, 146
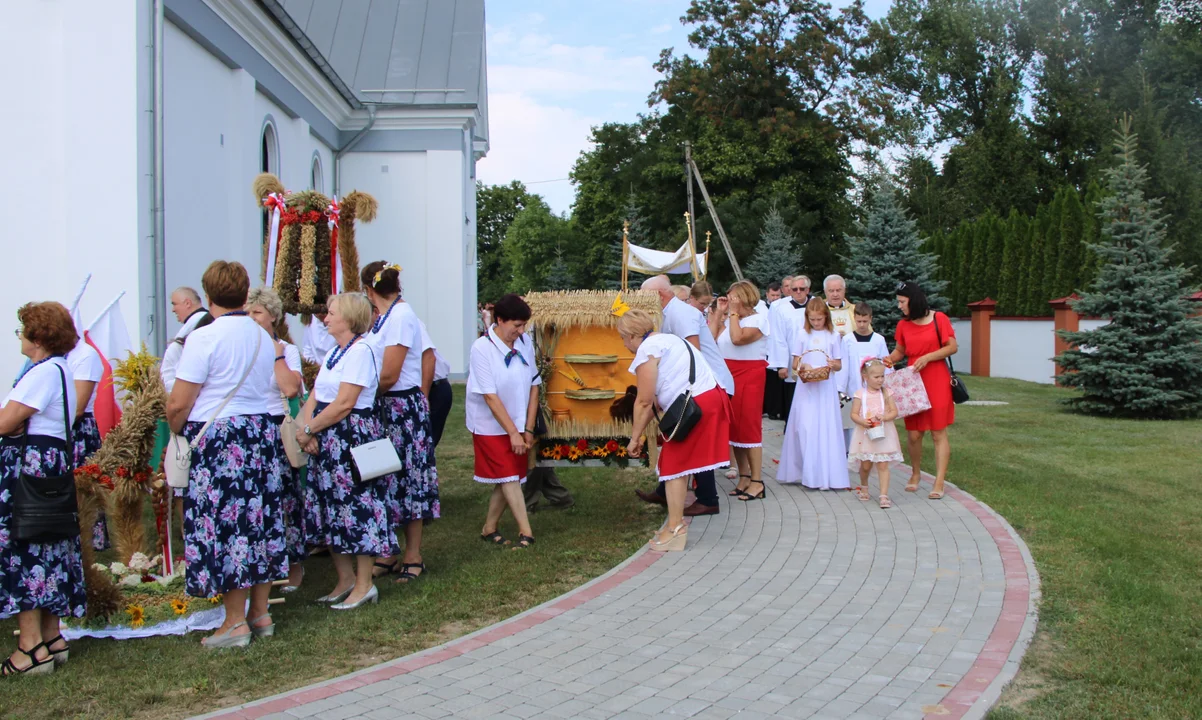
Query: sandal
405, 576
912, 486
388, 568
861, 492
747, 497
494, 538
35, 666
935, 495
885, 502
60, 656
524, 541
737, 492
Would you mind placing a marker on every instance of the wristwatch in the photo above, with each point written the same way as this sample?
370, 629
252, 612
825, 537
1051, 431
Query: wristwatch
308, 431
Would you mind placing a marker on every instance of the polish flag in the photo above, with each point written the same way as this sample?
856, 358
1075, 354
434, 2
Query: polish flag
108, 336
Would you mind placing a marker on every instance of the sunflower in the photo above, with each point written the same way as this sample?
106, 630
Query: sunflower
216, 599
137, 615
179, 606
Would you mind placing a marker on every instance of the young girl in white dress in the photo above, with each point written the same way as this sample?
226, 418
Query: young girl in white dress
813, 452
874, 440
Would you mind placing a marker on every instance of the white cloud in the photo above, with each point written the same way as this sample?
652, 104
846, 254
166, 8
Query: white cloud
531, 141
661, 29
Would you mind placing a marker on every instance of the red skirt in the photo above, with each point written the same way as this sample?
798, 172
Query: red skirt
708, 445
747, 406
496, 462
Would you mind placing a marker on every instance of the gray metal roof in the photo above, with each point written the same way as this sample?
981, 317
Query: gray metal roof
418, 50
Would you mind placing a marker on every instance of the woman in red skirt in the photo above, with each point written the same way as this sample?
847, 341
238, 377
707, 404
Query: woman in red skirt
662, 366
502, 399
743, 343
926, 339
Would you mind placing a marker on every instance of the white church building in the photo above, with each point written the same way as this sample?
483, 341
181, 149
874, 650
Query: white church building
118, 108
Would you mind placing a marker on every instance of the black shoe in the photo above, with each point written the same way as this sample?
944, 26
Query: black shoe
698, 509
650, 497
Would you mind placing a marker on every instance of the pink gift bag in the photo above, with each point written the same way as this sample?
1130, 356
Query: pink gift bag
909, 394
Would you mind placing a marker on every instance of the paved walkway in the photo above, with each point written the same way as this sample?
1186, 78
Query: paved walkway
810, 604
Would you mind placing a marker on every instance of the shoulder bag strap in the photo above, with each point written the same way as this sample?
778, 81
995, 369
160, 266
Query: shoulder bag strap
66, 421
232, 393
939, 337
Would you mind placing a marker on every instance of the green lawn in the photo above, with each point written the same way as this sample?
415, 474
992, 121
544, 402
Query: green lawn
1111, 511
470, 585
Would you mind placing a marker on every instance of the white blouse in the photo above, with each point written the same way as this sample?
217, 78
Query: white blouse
277, 404
808, 343
672, 377
357, 367
401, 327
86, 366
216, 356
757, 350
489, 375
42, 389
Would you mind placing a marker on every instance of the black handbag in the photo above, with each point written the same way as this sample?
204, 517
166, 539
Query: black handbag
45, 509
959, 390
683, 414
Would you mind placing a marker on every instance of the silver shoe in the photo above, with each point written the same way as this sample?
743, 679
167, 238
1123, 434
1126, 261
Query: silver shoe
227, 639
262, 631
372, 596
336, 598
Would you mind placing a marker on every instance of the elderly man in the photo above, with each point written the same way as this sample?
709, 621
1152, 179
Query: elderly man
786, 317
188, 309
687, 323
842, 312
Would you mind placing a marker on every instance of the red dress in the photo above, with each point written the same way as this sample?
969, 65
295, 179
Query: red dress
919, 340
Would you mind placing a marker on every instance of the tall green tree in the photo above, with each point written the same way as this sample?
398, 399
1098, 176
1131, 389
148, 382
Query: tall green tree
777, 255
1036, 303
528, 254
559, 277
496, 208
1147, 361
1051, 254
1071, 259
886, 251
1012, 267
979, 271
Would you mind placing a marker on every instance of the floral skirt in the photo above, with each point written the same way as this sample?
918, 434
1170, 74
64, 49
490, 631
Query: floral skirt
234, 523
36, 576
406, 419
348, 517
86, 435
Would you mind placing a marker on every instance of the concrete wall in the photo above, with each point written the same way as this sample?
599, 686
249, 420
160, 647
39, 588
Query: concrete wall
427, 204
1023, 349
962, 360
72, 158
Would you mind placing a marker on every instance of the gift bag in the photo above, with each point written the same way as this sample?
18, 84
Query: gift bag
909, 394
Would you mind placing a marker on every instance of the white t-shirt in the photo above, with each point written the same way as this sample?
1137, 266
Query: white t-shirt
672, 377
86, 366
401, 327
683, 320
216, 356
757, 350
318, 342
784, 317
42, 390
276, 403
357, 367
488, 375
442, 368
854, 353
175, 349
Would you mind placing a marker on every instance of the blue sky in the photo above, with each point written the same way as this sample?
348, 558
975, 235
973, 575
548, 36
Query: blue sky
557, 68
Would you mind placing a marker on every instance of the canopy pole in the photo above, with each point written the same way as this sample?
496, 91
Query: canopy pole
625, 254
734, 263
688, 220
688, 179
705, 274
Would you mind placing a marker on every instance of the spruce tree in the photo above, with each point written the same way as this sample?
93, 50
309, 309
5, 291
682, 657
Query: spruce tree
777, 254
632, 216
1090, 260
1147, 361
886, 252
559, 277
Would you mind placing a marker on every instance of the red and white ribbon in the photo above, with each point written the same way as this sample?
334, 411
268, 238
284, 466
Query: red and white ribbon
275, 203
332, 213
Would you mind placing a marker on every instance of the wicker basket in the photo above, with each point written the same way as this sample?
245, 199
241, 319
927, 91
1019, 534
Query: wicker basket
818, 373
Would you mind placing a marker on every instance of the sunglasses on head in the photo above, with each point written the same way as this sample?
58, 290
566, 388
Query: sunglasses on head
901, 285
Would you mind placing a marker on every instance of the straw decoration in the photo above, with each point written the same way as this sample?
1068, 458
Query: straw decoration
587, 308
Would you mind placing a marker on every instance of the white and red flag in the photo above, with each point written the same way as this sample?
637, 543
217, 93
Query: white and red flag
108, 336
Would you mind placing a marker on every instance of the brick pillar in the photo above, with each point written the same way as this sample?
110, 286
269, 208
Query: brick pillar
1064, 318
1196, 299
982, 313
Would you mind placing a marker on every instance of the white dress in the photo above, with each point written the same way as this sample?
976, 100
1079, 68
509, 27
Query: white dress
813, 452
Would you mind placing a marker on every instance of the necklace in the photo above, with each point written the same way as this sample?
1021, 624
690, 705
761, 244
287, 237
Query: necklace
340, 352
235, 313
31, 367
379, 323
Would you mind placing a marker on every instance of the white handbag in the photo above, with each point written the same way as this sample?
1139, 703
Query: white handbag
177, 462
297, 458
376, 458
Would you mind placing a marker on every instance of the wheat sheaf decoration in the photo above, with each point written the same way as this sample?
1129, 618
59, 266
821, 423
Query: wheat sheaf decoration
309, 251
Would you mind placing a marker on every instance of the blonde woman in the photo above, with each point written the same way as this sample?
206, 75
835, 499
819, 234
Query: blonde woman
662, 366
743, 341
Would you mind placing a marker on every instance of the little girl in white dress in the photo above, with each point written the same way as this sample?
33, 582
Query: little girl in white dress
874, 439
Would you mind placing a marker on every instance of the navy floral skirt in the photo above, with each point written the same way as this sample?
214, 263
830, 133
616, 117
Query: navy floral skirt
406, 419
37, 576
294, 504
86, 435
348, 517
234, 523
